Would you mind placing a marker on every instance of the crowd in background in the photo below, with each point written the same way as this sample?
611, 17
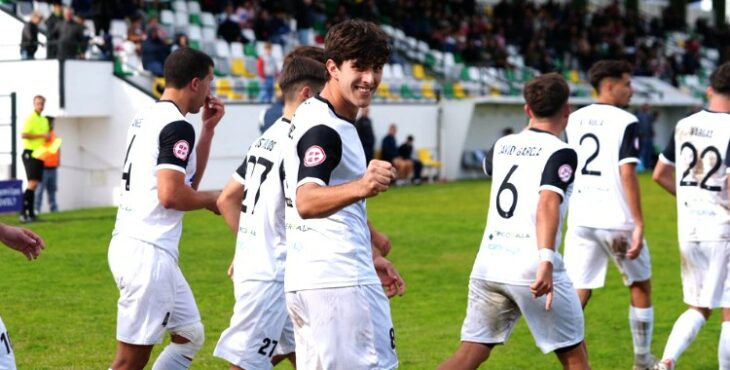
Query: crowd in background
549, 36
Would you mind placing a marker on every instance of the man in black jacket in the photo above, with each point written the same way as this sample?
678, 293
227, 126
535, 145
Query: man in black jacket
29, 38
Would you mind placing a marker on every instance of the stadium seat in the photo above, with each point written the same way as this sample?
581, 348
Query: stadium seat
427, 91
398, 72
195, 35
407, 93
193, 7
181, 22
459, 92
167, 20
419, 72
118, 28
43, 8
249, 35
236, 50
253, 89
448, 89
208, 20
179, 6
383, 91
430, 165
250, 50
387, 72
239, 68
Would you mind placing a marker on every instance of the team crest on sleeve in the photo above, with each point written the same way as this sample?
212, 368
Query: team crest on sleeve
314, 155
565, 172
181, 149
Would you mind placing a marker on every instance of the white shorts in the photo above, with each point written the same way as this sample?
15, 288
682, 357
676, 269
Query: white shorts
343, 328
260, 326
587, 251
494, 309
153, 294
7, 357
706, 273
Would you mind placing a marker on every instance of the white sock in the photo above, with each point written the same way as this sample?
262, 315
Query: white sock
641, 321
683, 334
723, 352
170, 359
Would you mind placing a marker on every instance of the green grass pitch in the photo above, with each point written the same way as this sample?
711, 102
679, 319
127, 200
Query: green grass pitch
60, 310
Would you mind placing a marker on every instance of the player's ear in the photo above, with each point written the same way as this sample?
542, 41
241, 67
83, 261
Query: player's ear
306, 92
194, 84
332, 69
709, 92
528, 111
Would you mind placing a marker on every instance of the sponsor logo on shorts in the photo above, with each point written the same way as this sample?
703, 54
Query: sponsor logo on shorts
181, 149
314, 156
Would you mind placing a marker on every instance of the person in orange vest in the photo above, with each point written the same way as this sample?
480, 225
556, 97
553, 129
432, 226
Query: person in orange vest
49, 183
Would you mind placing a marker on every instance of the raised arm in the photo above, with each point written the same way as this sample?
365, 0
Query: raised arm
213, 111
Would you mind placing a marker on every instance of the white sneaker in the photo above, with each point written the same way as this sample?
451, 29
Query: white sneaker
664, 365
647, 363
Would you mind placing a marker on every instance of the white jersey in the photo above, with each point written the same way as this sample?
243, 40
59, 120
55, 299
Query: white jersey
261, 241
605, 138
333, 251
522, 165
159, 138
702, 167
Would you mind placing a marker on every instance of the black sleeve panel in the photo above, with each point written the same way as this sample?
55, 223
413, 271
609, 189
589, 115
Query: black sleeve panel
488, 164
560, 169
630, 143
177, 141
669, 150
241, 171
727, 155
319, 151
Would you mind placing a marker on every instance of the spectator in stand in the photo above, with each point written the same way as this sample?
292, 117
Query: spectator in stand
70, 35
303, 15
405, 151
228, 27
181, 41
246, 14
364, 126
135, 32
51, 161
29, 37
389, 153
102, 12
52, 22
268, 70
645, 127
154, 52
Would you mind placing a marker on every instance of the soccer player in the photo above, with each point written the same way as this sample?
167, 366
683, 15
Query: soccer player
260, 333
30, 245
700, 151
163, 167
605, 137
340, 313
518, 270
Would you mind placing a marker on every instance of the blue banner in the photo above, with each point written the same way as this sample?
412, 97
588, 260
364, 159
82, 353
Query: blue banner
11, 196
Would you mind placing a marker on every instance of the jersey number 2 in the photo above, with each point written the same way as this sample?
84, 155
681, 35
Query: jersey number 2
585, 170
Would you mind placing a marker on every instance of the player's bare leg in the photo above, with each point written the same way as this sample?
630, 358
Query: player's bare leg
131, 356
723, 352
574, 357
641, 294
279, 358
468, 356
584, 295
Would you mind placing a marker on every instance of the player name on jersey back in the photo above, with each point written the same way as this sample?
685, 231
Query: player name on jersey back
261, 240
158, 138
605, 137
699, 150
332, 251
523, 165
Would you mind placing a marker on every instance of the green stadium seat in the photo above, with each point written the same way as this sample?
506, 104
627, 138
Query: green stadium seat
253, 89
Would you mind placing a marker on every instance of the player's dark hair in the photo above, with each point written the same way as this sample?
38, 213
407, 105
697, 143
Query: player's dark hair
720, 79
608, 69
360, 41
185, 64
546, 94
309, 51
300, 71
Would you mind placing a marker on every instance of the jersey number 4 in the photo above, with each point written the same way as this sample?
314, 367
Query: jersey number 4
127, 174
703, 184
252, 162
